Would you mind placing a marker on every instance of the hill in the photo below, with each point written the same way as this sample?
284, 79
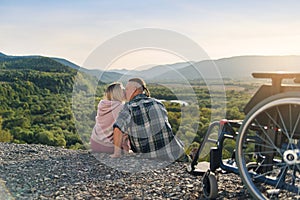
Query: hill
38, 100
36, 94
243, 66
66, 63
2, 54
29, 61
153, 72
235, 67
238, 67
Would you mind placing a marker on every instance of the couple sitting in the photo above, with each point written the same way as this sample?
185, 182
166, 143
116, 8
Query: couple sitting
141, 124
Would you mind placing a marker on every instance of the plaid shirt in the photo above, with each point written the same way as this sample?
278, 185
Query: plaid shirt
146, 122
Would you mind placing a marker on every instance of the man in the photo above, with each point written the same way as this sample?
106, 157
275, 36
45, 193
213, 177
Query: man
146, 121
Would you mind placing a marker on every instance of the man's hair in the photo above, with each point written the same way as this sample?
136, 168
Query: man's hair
142, 85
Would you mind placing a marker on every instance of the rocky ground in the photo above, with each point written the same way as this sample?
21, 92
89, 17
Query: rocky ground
43, 172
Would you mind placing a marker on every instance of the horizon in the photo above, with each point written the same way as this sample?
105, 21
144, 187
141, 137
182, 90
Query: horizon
148, 66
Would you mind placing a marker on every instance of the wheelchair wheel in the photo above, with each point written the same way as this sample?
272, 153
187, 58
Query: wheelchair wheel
268, 146
210, 186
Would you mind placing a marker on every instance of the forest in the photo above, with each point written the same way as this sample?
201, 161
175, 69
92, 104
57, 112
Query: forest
37, 96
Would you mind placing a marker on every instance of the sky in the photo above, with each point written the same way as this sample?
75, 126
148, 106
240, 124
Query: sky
74, 29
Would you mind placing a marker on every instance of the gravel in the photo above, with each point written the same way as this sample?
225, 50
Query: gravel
45, 172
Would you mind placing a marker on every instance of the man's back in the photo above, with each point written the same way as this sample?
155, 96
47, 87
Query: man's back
146, 121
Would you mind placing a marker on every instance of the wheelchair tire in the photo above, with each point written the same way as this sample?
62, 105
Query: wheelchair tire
210, 186
265, 130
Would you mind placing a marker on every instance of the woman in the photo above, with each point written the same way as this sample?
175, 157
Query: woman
108, 110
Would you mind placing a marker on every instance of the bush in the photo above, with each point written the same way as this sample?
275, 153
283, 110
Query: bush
5, 136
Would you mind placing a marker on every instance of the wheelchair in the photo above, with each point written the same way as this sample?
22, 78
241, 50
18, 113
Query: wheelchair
267, 142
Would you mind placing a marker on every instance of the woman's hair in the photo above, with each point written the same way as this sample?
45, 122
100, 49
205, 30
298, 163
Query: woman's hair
115, 92
142, 85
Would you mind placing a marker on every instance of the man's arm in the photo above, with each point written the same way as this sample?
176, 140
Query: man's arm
118, 135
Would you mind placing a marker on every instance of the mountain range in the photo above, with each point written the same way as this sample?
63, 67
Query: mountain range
237, 67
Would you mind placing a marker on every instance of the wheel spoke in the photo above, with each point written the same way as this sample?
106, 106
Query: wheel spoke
269, 139
296, 125
291, 118
282, 122
256, 152
274, 121
281, 176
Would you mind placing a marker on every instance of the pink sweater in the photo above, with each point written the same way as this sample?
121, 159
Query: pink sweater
107, 114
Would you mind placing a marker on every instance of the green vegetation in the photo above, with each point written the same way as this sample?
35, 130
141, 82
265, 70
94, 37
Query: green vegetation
37, 104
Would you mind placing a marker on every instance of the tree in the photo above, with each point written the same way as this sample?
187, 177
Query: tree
59, 141
234, 113
45, 137
5, 135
